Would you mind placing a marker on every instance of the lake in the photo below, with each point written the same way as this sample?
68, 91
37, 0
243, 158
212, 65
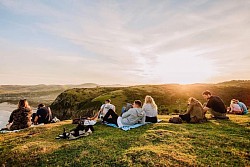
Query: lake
5, 111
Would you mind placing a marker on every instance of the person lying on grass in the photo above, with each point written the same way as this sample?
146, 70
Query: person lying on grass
195, 112
132, 116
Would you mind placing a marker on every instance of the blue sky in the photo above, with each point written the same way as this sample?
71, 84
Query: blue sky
125, 42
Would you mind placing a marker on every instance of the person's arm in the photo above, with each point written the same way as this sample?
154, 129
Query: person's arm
35, 120
127, 114
95, 116
189, 109
231, 107
207, 106
11, 118
143, 119
206, 109
101, 109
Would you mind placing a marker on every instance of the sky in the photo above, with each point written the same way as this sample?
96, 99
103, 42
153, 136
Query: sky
124, 41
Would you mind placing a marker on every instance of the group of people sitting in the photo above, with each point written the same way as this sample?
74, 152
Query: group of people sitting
131, 114
23, 116
237, 107
196, 111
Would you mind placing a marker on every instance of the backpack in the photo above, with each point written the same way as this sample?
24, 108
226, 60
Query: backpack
175, 120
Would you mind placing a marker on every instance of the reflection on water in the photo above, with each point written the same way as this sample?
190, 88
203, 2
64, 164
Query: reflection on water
5, 111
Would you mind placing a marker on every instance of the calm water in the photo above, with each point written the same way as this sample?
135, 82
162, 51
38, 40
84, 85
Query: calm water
5, 111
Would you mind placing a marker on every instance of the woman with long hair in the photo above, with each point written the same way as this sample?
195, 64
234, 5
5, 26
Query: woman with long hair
194, 113
21, 117
150, 109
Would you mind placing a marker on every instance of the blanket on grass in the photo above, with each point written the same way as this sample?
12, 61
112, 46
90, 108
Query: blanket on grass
5, 130
126, 128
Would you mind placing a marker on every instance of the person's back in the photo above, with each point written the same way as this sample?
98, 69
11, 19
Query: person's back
21, 117
107, 107
196, 112
235, 107
133, 116
243, 107
216, 104
149, 110
43, 115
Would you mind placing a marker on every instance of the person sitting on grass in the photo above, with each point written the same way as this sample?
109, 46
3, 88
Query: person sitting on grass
150, 109
215, 105
132, 116
194, 113
21, 117
243, 107
126, 107
103, 110
43, 115
235, 107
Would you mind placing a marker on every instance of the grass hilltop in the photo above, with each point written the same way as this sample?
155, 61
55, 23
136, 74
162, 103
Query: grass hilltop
214, 143
170, 98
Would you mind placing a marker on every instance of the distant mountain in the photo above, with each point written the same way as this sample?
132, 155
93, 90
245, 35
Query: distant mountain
39, 93
170, 98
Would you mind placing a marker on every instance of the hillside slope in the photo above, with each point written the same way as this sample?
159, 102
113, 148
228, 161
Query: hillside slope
215, 143
169, 98
36, 93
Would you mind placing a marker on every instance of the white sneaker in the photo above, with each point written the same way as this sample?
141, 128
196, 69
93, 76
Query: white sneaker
81, 132
72, 137
89, 131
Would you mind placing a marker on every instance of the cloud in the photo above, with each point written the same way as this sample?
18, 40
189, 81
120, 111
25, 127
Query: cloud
134, 38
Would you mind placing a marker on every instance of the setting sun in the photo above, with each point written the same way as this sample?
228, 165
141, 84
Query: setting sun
185, 69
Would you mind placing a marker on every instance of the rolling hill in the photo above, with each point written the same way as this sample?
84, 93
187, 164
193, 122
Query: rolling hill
170, 98
39, 93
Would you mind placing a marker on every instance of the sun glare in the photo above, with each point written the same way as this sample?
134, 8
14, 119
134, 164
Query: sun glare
184, 69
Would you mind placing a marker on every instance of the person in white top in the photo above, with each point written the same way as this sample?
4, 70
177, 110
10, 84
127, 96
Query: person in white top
150, 109
106, 107
235, 107
103, 110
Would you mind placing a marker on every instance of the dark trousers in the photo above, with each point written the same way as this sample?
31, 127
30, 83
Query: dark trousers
151, 119
185, 117
113, 118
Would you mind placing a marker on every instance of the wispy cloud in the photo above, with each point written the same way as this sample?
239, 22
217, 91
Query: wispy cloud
133, 41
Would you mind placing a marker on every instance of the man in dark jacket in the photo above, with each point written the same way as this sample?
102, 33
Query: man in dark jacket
42, 115
215, 105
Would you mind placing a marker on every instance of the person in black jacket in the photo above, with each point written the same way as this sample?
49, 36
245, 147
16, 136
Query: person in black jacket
43, 115
215, 105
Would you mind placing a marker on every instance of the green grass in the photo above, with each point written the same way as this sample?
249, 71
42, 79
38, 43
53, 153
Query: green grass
215, 143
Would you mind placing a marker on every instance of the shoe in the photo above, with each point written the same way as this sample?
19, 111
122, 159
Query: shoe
89, 131
63, 136
81, 132
72, 137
